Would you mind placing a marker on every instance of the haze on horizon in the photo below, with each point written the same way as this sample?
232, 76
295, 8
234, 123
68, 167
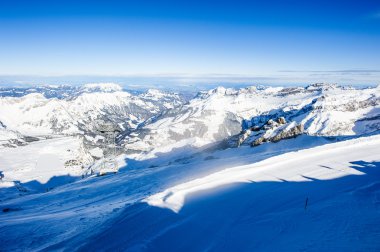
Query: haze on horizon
170, 42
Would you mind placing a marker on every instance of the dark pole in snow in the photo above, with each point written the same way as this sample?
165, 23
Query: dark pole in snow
307, 199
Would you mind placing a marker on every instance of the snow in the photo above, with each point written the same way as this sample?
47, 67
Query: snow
241, 199
176, 189
292, 167
103, 87
96, 152
6, 135
216, 115
36, 115
37, 164
261, 207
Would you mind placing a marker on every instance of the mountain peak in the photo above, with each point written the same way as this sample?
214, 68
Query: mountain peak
102, 87
321, 86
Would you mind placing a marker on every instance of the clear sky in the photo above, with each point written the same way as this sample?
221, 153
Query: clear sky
270, 41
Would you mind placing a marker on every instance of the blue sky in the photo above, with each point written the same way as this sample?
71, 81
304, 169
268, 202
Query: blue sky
190, 42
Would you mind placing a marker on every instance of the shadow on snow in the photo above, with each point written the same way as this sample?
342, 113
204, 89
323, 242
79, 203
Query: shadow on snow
341, 214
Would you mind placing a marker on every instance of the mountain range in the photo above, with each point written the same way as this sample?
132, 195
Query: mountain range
97, 167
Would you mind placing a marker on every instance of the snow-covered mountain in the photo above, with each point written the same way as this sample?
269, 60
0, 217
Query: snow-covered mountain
249, 115
35, 114
46, 114
59, 125
311, 176
157, 122
59, 91
49, 91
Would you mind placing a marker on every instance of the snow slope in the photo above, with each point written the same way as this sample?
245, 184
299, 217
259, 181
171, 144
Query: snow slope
290, 167
261, 207
246, 199
42, 165
7, 135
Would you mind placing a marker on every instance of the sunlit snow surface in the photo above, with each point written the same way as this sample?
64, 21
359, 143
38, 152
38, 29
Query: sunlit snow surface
41, 165
291, 167
225, 203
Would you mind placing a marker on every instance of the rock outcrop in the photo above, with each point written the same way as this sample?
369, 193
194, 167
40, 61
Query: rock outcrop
273, 130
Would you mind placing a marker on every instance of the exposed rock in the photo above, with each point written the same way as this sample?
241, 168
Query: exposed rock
72, 162
285, 134
16, 142
278, 133
255, 128
273, 130
30, 139
270, 122
243, 137
281, 120
258, 141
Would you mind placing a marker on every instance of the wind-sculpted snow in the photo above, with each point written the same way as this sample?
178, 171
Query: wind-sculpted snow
288, 167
